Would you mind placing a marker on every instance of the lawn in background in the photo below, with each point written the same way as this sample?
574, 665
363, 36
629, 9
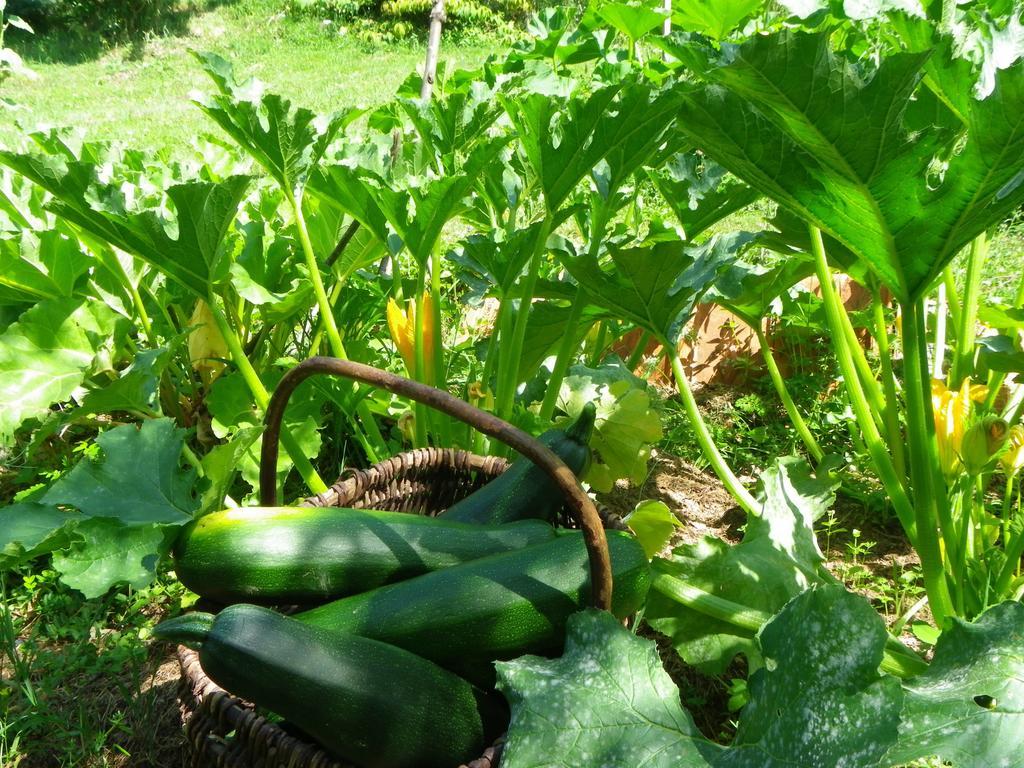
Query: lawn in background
140, 94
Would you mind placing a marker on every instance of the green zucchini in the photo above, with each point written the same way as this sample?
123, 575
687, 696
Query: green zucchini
496, 608
301, 555
524, 490
364, 701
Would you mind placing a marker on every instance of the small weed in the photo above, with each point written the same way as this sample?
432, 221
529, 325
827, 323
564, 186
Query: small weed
83, 685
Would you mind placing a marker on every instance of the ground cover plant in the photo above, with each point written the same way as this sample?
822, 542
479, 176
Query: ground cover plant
496, 241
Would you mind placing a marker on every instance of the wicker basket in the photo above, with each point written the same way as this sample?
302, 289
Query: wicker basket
224, 731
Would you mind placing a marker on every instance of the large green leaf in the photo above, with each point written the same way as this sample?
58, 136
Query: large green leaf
655, 285
418, 212
859, 153
968, 708
136, 390
138, 482
267, 275
564, 139
29, 529
777, 560
556, 138
749, 290
221, 466
627, 427
186, 248
634, 21
233, 410
39, 265
552, 34
109, 553
456, 120
46, 355
819, 700
286, 141
606, 702
496, 260
700, 192
635, 132
715, 18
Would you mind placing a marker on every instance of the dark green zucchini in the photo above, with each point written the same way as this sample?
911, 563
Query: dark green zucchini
364, 701
524, 490
497, 608
296, 555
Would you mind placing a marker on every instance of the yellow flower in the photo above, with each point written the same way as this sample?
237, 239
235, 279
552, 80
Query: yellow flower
207, 349
952, 409
402, 325
1012, 458
480, 396
982, 443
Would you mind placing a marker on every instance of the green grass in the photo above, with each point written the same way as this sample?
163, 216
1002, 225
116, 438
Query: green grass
80, 684
140, 94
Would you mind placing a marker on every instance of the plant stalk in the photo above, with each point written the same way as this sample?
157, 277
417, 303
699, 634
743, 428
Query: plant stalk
638, 351
704, 439
506, 394
262, 397
566, 349
420, 361
858, 401
952, 300
892, 413
440, 381
897, 659
787, 401
928, 484
941, 308
963, 364
376, 439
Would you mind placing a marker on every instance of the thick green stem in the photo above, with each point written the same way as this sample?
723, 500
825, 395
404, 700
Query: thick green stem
893, 428
566, 351
858, 401
420, 361
931, 504
1004, 515
868, 382
318, 334
322, 301
963, 365
491, 363
262, 397
897, 659
739, 616
1013, 549
939, 347
787, 401
376, 439
506, 394
892, 413
704, 439
952, 301
639, 351
440, 380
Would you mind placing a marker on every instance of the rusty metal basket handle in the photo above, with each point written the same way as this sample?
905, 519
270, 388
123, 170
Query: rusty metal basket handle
580, 505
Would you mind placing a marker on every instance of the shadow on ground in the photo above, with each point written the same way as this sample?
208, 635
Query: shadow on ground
76, 40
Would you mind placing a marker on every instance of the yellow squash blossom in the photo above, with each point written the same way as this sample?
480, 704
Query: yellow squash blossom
982, 443
1012, 459
952, 409
402, 325
207, 350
